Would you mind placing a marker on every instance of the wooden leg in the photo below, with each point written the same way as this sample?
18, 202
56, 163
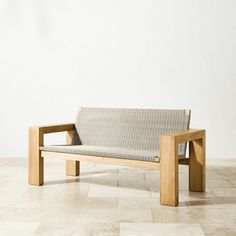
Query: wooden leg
169, 189
197, 167
36, 164
72, 167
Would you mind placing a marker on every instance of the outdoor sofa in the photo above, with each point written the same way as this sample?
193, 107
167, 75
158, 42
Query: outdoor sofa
142, 138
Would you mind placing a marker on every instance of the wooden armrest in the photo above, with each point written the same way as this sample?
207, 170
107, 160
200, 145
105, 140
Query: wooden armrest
54, 128
186, 135
169, 161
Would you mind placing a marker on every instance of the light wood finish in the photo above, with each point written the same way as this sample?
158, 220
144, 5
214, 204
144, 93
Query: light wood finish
187, 135
169, 189
108, 160
105, 160
197, 163
56, 128
72, 167
182, 160
35, 160
169, 163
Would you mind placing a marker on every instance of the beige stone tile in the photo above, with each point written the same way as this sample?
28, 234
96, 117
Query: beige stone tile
37, 196
56, 214
199, 203
225, 202
130, 170
101, 180
133, 181
11, 171
132, 176
54, 229
151, 174
114, 215
155, 192
103, 196
53, 196
78, 229
160, 229
187, 197
109, 191
103, 168
190, 195
221, 173
214, 215
18, 228
225, 229
139, 203
221, 162
73, 189
224, 192
192, 199
85, 202
215, 202
13, 177
167, 214
13, 162
218, 174
101, 229
93, 175
9, 198
217, 183
153, 181
41, 198
98, 172
137, 185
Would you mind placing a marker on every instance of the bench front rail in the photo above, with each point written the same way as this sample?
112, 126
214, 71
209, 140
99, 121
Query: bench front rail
168, 164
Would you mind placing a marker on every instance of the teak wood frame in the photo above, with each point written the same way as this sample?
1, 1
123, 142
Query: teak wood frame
169, 160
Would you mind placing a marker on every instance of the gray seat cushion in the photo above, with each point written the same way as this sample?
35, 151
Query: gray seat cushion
133, 154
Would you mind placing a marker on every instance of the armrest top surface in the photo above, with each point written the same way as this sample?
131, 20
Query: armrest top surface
55, 128
186, 135
185, 132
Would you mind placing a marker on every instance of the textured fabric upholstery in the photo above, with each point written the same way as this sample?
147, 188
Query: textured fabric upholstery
133, 154
124, 133
129, 128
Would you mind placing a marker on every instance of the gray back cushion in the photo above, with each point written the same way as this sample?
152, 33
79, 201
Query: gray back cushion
129, 128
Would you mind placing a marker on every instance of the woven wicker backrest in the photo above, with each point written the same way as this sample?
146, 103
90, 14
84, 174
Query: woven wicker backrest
129, 128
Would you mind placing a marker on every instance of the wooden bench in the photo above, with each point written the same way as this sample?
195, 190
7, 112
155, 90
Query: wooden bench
143, 138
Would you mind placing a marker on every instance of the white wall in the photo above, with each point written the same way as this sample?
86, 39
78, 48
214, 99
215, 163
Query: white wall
57, 55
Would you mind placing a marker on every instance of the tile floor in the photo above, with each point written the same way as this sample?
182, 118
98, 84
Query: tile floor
110, 200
